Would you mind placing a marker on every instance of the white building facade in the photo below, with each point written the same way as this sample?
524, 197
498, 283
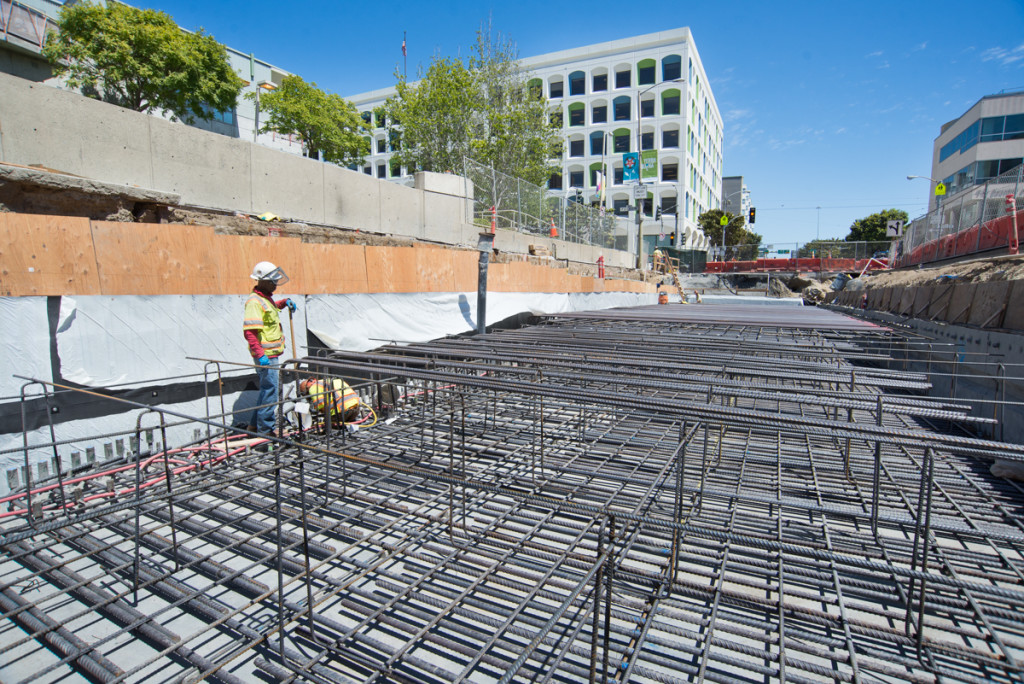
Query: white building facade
647, 93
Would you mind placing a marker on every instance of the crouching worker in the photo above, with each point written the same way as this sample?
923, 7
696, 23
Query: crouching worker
331, 396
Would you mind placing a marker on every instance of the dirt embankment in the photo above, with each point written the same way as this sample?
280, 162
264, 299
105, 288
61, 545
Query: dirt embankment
979, 271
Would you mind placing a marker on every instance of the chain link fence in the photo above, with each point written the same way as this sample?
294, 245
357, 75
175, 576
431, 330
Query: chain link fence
824, 256
512, 203
973, 220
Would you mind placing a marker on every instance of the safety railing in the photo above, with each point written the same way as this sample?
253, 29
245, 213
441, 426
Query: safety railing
503, 201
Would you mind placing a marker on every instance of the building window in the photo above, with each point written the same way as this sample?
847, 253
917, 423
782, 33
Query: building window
576, 148
382, 171
617, 175
671, 68
996, 128
646, 108
600, 82
575, 179
668, 204
556, 119
396, 170
597, 143
647, 141
600, 113
622, 79
645, 72
621, 206
577, 83
670, 138
621, 142
577, 114
536, 88
381, 145
366, 117
961, 143
555, 182
380, 119
622, 108
368, 170
556, 89
594, 170
669, 172
670, 102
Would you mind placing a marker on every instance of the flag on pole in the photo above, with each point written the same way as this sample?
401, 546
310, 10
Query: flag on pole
403, 47
600, 186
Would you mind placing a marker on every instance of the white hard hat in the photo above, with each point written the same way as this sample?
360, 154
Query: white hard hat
268, 271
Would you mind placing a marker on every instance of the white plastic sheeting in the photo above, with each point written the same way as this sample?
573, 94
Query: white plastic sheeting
26, 326
138, 340
104, 341
358, 322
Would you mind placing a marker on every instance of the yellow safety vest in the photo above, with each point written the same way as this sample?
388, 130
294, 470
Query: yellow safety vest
343, 396
262, 316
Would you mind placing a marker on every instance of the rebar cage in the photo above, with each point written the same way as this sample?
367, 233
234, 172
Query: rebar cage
662, 494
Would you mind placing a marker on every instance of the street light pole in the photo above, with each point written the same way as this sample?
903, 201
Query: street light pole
640, 180
938, 197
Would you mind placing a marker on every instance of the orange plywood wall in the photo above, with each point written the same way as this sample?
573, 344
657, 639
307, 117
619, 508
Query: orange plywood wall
46, 255
54, 255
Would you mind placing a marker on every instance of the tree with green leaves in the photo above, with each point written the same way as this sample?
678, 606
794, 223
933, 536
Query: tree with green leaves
142, 60
872, 228
482, 109
330, 126
738, 239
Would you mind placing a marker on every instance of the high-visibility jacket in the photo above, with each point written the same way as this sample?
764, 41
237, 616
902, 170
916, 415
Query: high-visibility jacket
263, 318
343, 397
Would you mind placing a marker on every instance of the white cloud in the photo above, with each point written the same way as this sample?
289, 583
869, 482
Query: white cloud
877, 53
840, 131
1003, 56
920, 47
778, 145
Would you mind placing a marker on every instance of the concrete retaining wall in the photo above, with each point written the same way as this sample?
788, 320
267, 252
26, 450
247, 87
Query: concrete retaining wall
995, 304
42, 125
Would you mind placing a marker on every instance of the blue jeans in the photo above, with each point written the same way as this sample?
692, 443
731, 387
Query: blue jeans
266, 416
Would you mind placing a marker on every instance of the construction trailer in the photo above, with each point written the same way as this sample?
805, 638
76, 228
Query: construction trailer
663, 494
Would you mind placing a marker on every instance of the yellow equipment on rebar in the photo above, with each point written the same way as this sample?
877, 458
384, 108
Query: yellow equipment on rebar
342, 399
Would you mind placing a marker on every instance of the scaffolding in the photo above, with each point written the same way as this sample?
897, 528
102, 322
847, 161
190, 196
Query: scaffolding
662, 494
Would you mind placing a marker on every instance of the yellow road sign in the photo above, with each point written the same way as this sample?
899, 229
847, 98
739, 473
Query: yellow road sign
940, 189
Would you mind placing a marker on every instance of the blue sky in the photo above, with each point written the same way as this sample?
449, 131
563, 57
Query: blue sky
825, 103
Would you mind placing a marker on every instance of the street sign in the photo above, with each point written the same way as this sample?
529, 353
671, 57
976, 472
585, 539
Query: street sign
724, 221
630, 166
940, 189
639, 191
893, 228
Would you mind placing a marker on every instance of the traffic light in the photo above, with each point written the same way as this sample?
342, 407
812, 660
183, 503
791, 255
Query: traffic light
750, 216
672, 238
657, 214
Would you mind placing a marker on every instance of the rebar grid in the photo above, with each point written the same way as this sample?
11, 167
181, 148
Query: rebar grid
611, 497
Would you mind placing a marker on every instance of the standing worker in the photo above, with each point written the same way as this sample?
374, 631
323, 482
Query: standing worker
265, 336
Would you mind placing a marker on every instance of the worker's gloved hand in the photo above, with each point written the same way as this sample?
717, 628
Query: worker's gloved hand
263, 360
292, 306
